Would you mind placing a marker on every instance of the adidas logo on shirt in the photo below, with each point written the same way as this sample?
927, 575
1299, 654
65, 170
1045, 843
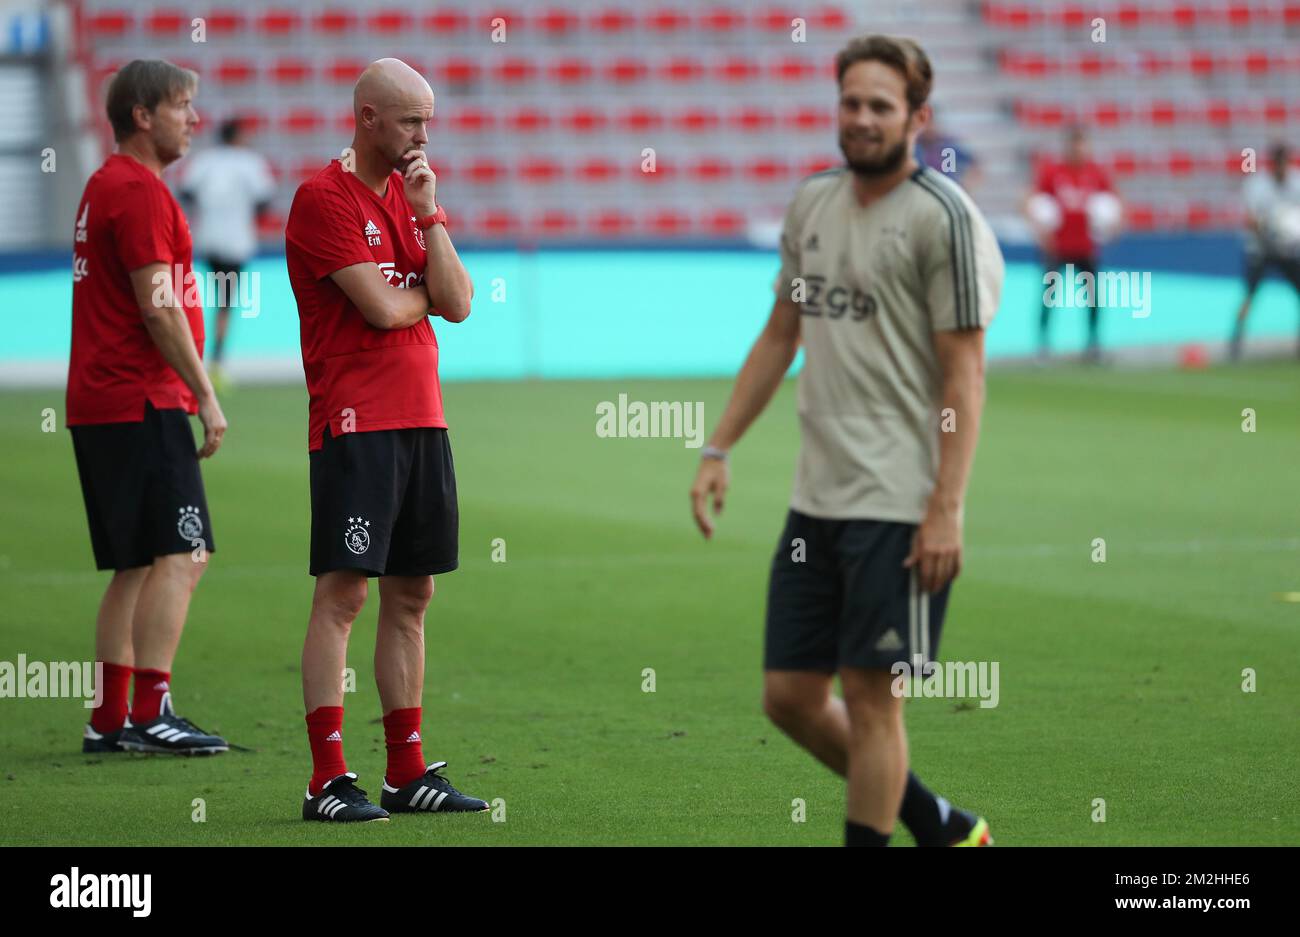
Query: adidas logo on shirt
372, 233
335, 736
82, 225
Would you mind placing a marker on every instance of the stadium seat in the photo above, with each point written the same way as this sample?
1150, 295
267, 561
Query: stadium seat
528, 120
768, 169
809, 119
752, 119
300, 121
335, 22
497, 222
278, 22
471, 119
345, 70
515, 70
613, 20
570, 70
736, 68
722, 20
389, 21
235, 71
710, 169
610, 221
540, 170
584, 120
457, 70
723, 222
625, 69
290, 71
485, 171
668, 221
116, 23
776, 19
638, 119
681, 68
555, 222
696, 120
557, 21
596, 169
224, 23
445, 22
667, 20
796, 68
166, 22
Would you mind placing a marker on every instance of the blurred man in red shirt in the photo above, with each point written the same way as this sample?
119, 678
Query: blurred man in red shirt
369, 260
1065, 231
134, 375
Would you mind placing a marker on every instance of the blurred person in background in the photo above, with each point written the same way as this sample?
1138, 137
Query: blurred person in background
945, 153
228, 188
1272, 232
1072, 209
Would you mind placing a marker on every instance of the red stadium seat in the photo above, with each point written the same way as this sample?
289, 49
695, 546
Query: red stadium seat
668, 221
444, 22
667, 20
584, 120
224, 22
1275, 112
775, 20
457, 70
1132, 15
569, 71
235, 71
344, 121
279, 22
752, 119
769, 169
1162, 113
1125, 163
334, 22
682, 68
389, 21
528, 120
304, 168
598, 170
737, 68
1110, 113
831, 19
167, 22
557, 21
498, 222
110, 22
485, 171
1219, 112
613, 20
665, 171
301, 120
796, 68
625, 70
819, 164
637, 119
345, 71
1139, 217
291, 71
722, 20
470, 119
1202, 62
253, 121
611, 221
809, 119
711, 169
1180, 163
555, 222
723, 222
541, 170
696, 120
515, 70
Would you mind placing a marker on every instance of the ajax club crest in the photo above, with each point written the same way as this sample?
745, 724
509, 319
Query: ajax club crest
189, 525
357, 537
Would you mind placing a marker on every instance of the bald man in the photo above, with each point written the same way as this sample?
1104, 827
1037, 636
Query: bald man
369, 261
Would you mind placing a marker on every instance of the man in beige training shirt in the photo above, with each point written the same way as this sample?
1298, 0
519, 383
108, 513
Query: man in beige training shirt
889, 276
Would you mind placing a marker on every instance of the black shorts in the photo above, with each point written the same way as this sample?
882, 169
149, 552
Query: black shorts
221, 266
840, 597
143, 490
1259, 262
384, 502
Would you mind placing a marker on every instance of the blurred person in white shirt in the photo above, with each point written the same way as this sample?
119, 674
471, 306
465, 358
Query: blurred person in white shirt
1272, 231
226, 189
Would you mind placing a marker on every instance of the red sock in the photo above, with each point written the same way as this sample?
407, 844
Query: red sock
150, 685
325, 733
114, 684
402, 737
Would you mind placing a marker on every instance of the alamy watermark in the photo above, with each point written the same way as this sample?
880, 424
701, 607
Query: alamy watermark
1110, 289
951, 679
226, 290
660, 418
60, 679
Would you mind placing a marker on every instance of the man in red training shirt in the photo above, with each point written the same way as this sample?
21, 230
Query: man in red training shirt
134, 375
369, 260
1072, 182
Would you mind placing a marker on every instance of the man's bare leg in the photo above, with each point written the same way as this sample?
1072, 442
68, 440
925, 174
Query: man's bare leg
877, 748
335, 605
116, 610
161, 607
399, 642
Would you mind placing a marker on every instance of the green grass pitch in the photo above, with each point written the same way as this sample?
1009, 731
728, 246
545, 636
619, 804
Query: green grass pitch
1120, 681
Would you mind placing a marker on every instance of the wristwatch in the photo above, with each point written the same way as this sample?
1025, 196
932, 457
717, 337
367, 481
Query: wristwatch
438, 217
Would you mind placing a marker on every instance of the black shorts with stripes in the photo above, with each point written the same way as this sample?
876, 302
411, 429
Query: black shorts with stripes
839, 596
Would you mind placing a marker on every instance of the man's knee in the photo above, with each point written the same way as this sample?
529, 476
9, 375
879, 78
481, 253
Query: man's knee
184, 568
340, 597
791, 701
872, 705
408, 597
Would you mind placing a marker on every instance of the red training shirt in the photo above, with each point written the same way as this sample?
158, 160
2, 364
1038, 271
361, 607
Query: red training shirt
1072, 186
387, 378
127, 219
